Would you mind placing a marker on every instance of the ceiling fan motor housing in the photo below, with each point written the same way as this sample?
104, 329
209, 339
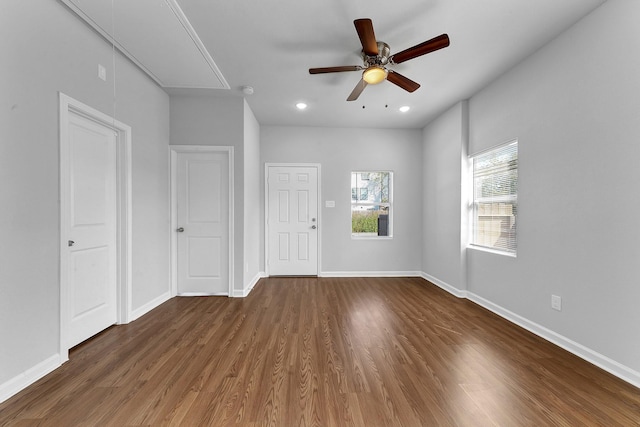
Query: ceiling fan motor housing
381, 59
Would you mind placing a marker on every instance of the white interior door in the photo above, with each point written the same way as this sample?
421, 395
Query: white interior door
91, 229
292, 220
202, 197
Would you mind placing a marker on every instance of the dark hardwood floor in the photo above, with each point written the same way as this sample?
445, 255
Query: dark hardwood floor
324, 352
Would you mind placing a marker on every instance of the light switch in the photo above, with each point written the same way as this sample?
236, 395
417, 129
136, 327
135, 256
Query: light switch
102, 72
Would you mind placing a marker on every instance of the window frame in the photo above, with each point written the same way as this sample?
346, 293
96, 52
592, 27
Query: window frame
360, 174
504, 199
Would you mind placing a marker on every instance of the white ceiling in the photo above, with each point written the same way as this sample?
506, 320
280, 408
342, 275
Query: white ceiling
271, 44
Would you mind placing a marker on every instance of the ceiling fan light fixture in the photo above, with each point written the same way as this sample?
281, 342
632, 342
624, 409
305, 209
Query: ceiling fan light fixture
374, 75
376, 55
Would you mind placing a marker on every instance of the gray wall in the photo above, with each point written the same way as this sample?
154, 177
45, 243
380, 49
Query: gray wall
46, 49
340, 151
574, 107
252, 206
444, 199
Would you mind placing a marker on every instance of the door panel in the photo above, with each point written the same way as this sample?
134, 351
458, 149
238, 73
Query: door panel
204, 256
203, 213
91, 270
293, 220
303, 246
89, 281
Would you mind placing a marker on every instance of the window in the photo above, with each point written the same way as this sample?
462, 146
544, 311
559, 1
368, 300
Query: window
371, 204
495, 198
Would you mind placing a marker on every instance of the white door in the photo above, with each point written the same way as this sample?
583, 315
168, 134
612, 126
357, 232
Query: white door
90, 229
292, 220
202, 197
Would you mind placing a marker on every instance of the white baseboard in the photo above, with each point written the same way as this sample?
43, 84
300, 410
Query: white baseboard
623, 372
30, 376
21, 381
370, 274
242, 293
141, 311
439, 283
619, 370
202, 294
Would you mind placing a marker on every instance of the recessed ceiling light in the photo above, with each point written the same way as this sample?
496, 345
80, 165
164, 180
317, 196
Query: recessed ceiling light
404, 108
301, 105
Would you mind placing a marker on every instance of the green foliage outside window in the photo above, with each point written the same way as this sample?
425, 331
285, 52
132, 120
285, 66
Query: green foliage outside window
365, 222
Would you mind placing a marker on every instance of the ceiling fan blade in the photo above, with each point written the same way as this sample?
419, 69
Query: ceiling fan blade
402, 81
364, 27
357, 90
429, 46
334, 69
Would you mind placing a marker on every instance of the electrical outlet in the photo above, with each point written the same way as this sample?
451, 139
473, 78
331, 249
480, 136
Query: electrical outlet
556, 302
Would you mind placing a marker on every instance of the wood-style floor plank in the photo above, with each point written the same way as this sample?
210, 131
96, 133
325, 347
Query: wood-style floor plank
324, 352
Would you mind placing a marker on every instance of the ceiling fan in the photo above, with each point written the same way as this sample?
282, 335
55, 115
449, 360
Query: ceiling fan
376, 56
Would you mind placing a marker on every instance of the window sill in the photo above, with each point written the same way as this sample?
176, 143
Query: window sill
370, 237
492, 251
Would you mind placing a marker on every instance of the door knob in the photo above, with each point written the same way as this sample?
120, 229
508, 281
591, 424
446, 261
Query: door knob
313, 227
71, 243
180, 230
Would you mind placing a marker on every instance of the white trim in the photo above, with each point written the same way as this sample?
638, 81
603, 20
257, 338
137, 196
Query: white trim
154, 303
318, 166
184, 22
493, 147
112, 41
445, 286
173, 159
615, 368
373, 236
237, 293
124, 210
28, 377
370, 274
203, 294
491, 250
591, 356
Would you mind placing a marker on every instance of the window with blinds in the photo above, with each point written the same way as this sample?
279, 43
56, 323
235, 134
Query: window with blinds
495, 198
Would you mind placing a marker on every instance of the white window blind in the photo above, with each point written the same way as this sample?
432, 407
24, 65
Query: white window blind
495, 198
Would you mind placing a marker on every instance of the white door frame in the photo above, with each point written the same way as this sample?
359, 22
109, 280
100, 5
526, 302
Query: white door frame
266, 210
173, 152
123, 210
